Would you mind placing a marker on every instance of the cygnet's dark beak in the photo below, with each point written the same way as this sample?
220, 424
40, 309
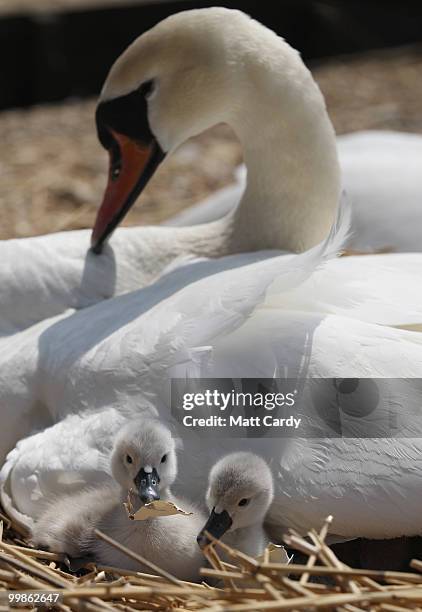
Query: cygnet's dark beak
216, 525
147, 485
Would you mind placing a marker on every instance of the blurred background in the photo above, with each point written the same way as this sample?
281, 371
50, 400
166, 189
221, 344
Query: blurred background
366, 56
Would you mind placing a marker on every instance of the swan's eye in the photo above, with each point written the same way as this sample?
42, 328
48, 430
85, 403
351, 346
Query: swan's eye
163, 458
129, 459
244, 502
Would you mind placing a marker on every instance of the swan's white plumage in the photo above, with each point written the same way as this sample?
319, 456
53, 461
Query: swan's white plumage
382, 289
370, 485
382, 172
127, 367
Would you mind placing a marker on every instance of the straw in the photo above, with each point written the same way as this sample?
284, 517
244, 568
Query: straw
242, 585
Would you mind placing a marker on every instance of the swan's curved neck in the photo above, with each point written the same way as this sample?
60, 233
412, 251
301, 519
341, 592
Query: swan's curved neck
289, 147
293, 177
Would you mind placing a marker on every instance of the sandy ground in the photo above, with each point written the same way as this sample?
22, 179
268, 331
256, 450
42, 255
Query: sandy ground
53, 171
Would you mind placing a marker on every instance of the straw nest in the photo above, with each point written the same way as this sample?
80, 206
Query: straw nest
242, 585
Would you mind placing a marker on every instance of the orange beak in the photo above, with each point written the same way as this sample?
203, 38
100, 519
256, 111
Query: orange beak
129, 172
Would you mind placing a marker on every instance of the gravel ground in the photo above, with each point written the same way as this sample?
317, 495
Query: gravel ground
53, 171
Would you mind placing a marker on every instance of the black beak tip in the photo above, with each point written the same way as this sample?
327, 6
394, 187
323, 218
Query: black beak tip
147, 499
97, 248
146, 484
216, 525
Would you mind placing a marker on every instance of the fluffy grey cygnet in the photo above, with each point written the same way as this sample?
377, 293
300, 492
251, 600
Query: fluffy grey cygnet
240, 492
143, 459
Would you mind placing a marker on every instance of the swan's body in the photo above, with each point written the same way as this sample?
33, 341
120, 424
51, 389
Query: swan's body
240, 315
154, 336
239, 495
68, 524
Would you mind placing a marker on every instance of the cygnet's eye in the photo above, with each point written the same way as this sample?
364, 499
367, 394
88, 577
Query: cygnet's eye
244, 502
163, 458
129, 459
154, 482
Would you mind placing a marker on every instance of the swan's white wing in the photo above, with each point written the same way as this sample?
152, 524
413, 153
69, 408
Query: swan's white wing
44, 276
37, 273
383, 289
380, 142
66, 364
292, 344
370, 485
382, 174
163, 323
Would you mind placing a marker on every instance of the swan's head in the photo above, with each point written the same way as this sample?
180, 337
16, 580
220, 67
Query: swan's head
240, 492
144, 458
173, 82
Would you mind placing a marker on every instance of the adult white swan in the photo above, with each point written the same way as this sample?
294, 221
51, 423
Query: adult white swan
187, 74
83, 372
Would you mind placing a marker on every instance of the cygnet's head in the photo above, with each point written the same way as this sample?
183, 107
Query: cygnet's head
144, 458
240, 492
181, 77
